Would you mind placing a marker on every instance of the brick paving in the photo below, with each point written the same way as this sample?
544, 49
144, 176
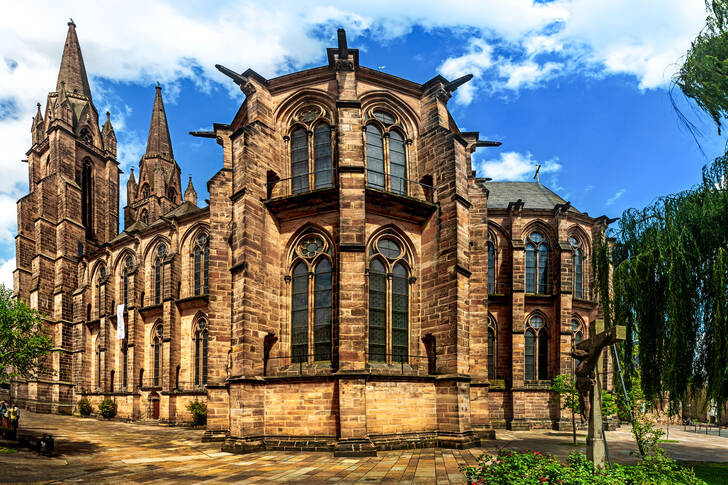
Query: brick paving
93, 451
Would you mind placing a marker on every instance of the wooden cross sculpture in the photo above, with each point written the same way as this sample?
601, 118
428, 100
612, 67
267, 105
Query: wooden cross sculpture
587, 373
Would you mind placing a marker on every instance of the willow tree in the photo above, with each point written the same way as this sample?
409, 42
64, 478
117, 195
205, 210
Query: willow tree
669, 261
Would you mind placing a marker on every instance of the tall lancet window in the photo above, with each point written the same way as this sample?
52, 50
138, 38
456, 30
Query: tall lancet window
537, 258
491, 349
201, 339
386, 153
389, 300
128, 267
157, 355
491, 266
323, 169
299, 161
201, 262
577, 263
536, 349
312, 299
87, 198
159, 274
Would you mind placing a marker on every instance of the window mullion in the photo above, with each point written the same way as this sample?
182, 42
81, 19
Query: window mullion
311, 160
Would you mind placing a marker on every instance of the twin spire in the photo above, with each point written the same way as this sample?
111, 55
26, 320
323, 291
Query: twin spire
72, 75
159, 142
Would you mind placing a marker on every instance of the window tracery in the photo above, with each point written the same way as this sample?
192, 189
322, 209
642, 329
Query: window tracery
201, 344
386, 153
537, 257
389, 300
577, 265
201, 256
311, 148
536, 349
312, 282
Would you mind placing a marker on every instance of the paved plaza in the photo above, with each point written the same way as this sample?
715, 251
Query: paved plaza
93, 451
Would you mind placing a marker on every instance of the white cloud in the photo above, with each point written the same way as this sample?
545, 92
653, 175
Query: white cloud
6, 272
512, 45
616, 196
513, 166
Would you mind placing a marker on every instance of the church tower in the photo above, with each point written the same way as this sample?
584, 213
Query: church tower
72, 207
158, 189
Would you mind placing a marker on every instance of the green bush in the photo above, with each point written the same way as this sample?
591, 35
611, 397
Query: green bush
107, 408
538, 469
84, 407
199, 412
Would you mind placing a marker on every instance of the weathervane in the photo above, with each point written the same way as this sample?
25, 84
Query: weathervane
538, 169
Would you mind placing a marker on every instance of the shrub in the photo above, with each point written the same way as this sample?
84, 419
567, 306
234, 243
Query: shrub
538, 469
199, 412
84, 407
107, 408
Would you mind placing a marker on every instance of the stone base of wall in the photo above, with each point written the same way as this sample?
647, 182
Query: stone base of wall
356, 447
214, 435
529, 424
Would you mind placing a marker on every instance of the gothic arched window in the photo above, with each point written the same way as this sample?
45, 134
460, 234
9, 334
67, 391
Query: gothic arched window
536, 349
537, 257
299, 161
87, 198
491, 265
311, 298
125, 365
202, 261
492, 371
128, 266
159, 273
144, 217
201, 339
98, 362
172, 194
100, 280
386, 153
157, 355
323, 168
389, 280
577, 264
145, 191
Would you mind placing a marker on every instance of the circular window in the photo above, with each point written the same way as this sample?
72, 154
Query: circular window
537, 322
574, 243
311, 246
389, 248
536, 237
575, 325
202, 324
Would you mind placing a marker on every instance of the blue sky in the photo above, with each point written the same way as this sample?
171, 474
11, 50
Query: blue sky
581, 87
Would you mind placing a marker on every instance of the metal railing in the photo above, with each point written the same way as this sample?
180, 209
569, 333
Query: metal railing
311, 364
301, 184
399, 185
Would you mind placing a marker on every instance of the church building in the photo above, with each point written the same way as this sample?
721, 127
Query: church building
351, 285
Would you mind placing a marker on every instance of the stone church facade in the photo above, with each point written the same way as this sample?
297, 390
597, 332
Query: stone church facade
352, 285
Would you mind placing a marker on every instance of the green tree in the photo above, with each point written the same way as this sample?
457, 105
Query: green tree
23, 343
567, 396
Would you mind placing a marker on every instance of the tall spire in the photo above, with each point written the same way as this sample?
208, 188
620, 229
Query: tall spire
73, 71
159, 143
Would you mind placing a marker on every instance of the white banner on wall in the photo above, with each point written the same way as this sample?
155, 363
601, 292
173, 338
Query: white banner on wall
120, 322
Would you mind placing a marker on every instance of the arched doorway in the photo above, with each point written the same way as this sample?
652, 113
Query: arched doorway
154, 405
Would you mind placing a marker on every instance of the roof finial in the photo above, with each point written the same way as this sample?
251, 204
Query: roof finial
71, 23
159, 86
538, 169
343, 48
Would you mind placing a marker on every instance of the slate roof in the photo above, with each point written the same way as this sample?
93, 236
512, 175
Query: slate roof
534, 195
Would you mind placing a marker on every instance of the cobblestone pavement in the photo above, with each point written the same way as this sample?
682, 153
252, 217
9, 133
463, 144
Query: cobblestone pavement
95, 451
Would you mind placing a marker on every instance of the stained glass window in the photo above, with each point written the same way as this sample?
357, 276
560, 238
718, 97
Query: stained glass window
491, 352
299, 317
322, 156
377, 311
299, 161
491, 267
323, 310
400, 313
397, 164
375, 158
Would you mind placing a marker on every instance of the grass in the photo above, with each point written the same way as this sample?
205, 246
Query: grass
6, 451
711, 473
668, 441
